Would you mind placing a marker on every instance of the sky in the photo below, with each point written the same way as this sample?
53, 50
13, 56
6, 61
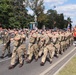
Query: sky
67, 7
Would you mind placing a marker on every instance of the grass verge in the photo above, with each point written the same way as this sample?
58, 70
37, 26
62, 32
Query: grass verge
70, 68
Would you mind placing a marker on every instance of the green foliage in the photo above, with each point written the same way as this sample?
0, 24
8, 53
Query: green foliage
38, 9
55, 20
13, 14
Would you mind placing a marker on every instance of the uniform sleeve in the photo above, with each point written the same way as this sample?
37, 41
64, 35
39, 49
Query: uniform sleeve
34, 35
23, 36
17, 37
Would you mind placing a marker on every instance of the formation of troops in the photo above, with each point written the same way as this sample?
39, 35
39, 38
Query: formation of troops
41, 44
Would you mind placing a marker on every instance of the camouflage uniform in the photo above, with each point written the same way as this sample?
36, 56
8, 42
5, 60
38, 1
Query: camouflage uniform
67, 39
48, 48
61, 42
56, 43
16, 50
6, 44
33, 47
22, 46
41, 44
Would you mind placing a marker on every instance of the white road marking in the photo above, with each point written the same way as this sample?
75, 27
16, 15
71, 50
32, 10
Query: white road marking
63, 65
47, 70
5, 60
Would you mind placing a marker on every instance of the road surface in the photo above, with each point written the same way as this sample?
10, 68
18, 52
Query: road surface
34, 67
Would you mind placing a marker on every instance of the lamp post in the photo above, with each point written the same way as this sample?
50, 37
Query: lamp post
35, 19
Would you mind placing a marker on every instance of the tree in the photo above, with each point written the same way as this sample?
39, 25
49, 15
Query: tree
60, 21
69, 19
13, 13
38, 9
55, 19
20, 14
51, 14
5, 9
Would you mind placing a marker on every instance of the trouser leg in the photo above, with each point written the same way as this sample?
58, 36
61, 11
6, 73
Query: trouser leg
4, 49
51, 54
8, 48
44, 55
29, 47
19, 52
13, 58
40, 52
36, 51
31, 53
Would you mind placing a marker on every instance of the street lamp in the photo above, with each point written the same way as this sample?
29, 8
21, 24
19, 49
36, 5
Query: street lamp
35, 18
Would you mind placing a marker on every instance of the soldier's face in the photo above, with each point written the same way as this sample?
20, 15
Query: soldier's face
54, 33
42, 32
48, 32
36, 32
22, 32
16, 32
5, 32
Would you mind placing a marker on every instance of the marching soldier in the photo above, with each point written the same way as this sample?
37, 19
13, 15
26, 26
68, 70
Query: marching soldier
2, 36
22, 49
61, 39
68, 39
64, 39
56, 42
33, 48
6, 44
71, 38
16, 51
49, 48
41, 43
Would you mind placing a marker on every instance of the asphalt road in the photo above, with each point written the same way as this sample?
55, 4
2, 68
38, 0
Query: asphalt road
34, 68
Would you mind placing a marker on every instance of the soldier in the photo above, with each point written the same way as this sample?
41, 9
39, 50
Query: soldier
41, 43
2, 36
16, 51
22, 46
56, 43
33, 48
49, 48
61, 38
67, 35
71, 38
6, 44
65, 38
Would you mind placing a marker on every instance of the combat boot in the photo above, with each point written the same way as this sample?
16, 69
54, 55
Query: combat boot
28, 61
9, 54
42, 63
21, 64
2, 56
11, 67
